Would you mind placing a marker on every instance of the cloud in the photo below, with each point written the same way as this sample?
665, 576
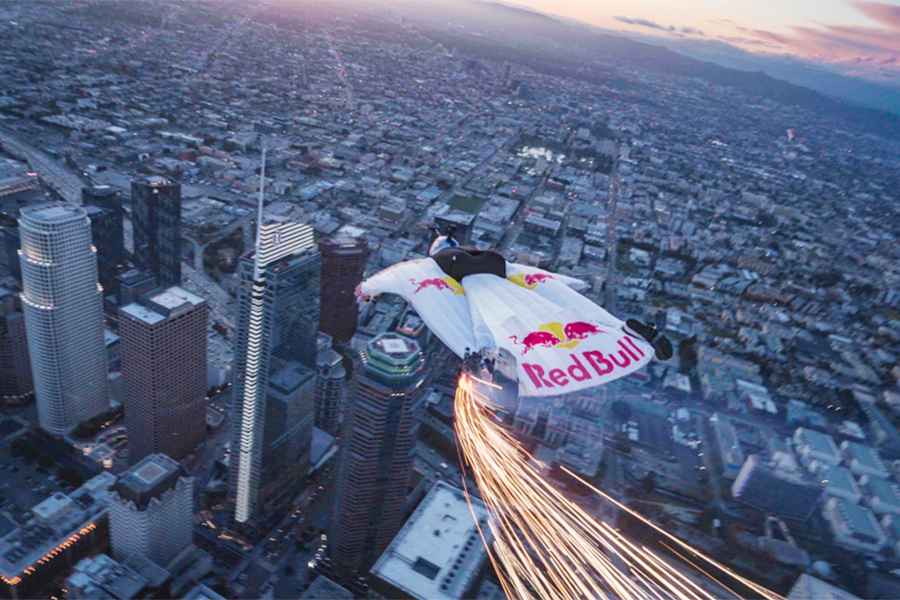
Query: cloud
767, 36
654, 25
855, 49
887, 15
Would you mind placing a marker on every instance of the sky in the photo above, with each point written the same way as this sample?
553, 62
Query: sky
855, 37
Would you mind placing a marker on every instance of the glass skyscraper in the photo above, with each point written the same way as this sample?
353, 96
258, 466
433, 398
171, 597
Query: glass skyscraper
156, 218
376, 459
275, 357
63, 315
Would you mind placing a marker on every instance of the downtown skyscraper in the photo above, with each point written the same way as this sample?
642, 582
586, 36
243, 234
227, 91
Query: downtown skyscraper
156, 218
343, 263
275, 353
331, 388
104, 207
63, 315
16, 383
163, 346
377, 453
151, 511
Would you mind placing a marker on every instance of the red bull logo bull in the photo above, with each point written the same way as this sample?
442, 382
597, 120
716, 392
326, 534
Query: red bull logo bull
557, 335
584, 366
438, 283
529, 281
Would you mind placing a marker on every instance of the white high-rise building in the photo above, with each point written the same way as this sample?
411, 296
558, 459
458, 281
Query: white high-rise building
262, 322
151, 511
63, 307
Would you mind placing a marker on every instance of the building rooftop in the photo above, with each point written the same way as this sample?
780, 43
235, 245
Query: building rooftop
149, 478
54, 213
866, 456
393, 358
808, 587
323, 588
174, 298
101, 574
820, 443
201, 592
158, 307
59, 519
859, 520
438, 553
840, 481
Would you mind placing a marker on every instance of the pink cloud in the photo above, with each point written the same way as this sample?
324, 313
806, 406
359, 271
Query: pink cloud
887, 15
856, 49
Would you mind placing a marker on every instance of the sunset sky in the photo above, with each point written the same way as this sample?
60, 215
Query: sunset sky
858, 37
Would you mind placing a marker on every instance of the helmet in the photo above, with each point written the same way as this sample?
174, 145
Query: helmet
442, 242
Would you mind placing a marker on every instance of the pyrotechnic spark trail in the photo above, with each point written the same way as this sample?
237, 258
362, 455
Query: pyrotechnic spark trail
545, 546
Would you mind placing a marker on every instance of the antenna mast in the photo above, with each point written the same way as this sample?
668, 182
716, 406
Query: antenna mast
259, 215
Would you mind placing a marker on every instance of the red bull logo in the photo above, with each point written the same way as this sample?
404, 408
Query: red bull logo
557, 335
529, 281
438, 283
584, 366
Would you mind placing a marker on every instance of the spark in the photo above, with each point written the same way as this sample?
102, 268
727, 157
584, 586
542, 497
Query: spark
543, 545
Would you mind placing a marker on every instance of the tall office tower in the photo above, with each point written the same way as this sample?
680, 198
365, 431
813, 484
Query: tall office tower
132, 284
377, 453
331, 388
163, 348
343, 262
113, 232
151, 511
63, 315
156, 218
278, 320
16, 383
107, 227
287, 436
9, 251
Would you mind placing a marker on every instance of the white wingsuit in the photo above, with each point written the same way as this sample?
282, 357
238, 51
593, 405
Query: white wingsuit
562, 342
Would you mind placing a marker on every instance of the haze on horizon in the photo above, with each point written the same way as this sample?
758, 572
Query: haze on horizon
860, 38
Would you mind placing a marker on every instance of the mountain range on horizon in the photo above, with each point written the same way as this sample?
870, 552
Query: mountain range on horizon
785, 69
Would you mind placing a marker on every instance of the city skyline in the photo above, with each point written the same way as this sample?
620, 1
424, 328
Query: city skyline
447, 299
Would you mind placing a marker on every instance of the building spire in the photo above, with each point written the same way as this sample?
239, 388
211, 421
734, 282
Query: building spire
259, 214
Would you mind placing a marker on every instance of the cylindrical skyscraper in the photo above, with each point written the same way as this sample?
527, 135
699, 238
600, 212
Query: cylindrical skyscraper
343, 262
377, 453
63, 315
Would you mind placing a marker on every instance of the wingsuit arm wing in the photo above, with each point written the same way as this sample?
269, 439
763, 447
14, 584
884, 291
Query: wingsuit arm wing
438, 299
517, 273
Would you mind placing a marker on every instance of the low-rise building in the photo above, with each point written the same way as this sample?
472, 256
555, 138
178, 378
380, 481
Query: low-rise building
438, 554
882, 495
854, 527
815, 449
863, 460
63, 529
770, 489
732, 456
840, 484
